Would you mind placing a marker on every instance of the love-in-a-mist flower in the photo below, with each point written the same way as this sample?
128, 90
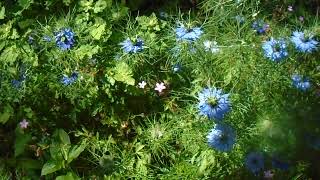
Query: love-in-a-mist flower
275, 50
66, 80
290, 8
303, 43
268, 174
188, 34
213, 103
142, 84
160, 87
300, 83
132, 46
65, 39
211, 46
255, 162
176, 68
260, 27
222, 137
24, 124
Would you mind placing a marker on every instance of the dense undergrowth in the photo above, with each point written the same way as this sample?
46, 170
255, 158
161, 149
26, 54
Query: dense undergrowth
211, 89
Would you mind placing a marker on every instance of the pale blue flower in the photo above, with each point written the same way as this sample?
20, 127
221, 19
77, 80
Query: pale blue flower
132, 47
275, 50
222, 137
188, 34
213, 103
255, 162
302, 43
65, 39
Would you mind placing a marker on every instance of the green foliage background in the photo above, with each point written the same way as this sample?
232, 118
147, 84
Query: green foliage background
105, 127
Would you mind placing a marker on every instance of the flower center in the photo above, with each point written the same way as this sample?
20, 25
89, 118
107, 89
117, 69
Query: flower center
277, 48
212, 101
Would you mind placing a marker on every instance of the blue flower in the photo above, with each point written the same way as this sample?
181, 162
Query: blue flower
176, 68
30, 39
240, 19
300, 83
65, 39
132, 47
47, 38
275, 50
213, 103
276, 163
190, 34
260, 27
303, 44
255, 162
16, 83
222, 137
69, 80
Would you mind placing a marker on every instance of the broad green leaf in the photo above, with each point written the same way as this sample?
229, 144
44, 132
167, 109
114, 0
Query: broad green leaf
68, 176
20, 143
6, 114
64, 137
25, 3
2, 13
86, 51
98, 31
123, 73
101, 5
50, 167
76, 151
55, 152
9, 55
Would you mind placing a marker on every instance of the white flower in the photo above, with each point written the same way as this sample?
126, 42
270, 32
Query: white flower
142, 84
24, 124
160, 87
211, 46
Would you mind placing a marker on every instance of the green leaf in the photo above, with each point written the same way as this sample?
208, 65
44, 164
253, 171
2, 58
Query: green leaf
25, 3
64, 137
101, 5
86, 51
10, 54
123, 73
20, 143
68, 176
6, 114
76, 151
2, 13
55, 152
98, 31
50, 167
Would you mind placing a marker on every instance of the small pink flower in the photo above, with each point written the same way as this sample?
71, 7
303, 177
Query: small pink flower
268, 174
142, 84
160, 87
24, 124
290, 8
301, 18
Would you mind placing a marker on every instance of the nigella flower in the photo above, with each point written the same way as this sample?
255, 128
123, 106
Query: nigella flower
213, 104
16, 83
211, 46
222, 137
260, 27
275, 50
47, 38
176, 68
69, 80
188, 34
132, 47
65, 39
30, 39
255, 162
240, 19
300, 83
302, 43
